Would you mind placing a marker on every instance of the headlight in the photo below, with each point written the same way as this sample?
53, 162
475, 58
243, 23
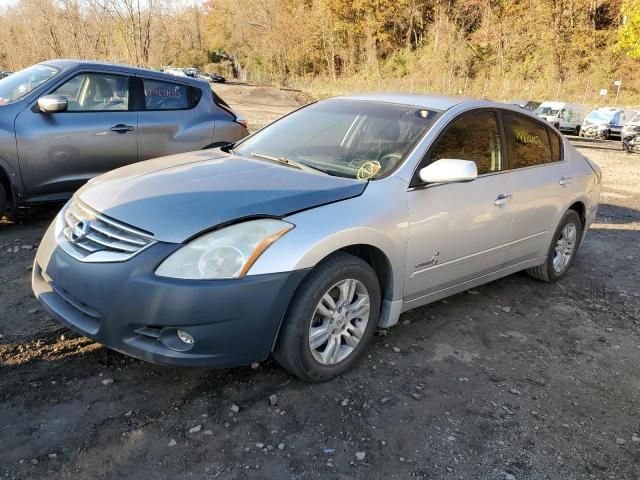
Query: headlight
226, 253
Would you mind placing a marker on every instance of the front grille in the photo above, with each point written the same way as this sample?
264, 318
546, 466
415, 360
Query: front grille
90, 236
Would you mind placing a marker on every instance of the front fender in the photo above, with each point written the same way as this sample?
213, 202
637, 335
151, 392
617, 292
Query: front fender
378, 218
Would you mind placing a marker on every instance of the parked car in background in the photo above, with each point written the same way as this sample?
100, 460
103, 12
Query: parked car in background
177, 72
305, 237
63, 122
530, 105
606, 122
211, 77
566, 117
630, 135
5, 73
191, 71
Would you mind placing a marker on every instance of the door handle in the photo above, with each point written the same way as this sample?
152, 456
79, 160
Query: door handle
502, 199
121, 128
566, 181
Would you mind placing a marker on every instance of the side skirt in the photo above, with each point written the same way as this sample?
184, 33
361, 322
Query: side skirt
461, 287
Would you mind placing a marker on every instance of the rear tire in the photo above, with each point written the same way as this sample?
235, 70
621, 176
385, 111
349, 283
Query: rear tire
340, 328
562, 251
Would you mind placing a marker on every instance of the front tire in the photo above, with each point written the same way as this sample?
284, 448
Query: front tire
3, 200
563, 248
331, 319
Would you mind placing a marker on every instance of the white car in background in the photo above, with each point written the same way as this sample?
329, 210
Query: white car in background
566, 117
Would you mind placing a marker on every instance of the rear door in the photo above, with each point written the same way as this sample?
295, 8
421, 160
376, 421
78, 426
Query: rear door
59, 152
173, 118
543, 185
460, 231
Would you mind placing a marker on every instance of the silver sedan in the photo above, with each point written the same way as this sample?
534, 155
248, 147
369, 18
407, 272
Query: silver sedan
303, 238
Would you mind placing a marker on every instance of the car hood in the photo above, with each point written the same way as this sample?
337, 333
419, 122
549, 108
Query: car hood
177, 197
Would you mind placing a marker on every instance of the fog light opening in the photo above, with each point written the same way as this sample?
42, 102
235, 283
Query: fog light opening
185, 337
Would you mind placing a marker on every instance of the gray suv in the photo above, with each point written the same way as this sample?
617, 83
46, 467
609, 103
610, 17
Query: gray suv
63, 122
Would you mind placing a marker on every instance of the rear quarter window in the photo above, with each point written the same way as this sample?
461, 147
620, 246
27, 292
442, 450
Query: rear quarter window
528, 141
556, 146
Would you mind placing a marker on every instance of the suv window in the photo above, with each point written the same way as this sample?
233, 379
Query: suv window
528, 141
95, 92
472, 136
159, 95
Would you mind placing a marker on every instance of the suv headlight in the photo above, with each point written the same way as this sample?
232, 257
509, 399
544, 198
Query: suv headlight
226, 253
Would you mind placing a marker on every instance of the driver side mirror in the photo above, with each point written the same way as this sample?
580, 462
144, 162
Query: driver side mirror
448, 170
53, 104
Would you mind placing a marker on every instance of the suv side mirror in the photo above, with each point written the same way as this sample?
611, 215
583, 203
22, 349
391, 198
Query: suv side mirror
53, 104
448, 170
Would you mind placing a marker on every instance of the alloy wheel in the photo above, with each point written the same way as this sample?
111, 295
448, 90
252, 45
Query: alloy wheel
565, 246
339, 321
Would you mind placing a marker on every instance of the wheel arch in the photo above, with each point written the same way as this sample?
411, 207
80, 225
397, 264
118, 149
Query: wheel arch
580, 208
5, 181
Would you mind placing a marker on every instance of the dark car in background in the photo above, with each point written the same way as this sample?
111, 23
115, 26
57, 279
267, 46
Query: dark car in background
63, 122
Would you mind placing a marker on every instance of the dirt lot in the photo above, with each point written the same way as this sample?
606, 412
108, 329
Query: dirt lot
514, 380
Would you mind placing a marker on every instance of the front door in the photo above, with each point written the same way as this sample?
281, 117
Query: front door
460, 231
59, 152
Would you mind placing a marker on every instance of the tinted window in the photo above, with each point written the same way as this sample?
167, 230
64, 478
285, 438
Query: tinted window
556, 147
528, 141
165, 95
95, 92
473, 136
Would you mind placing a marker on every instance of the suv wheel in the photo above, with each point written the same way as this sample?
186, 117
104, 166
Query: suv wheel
562, 250
331, 319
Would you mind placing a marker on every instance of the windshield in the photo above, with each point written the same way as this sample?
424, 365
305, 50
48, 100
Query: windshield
635, 119
547, 111
349, 138
601, 115
16, 86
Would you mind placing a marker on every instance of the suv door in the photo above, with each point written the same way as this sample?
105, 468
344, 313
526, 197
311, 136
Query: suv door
173, 118
543, 185
58, 152
460, 231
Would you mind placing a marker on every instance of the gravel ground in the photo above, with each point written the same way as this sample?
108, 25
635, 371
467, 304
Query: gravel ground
516, 379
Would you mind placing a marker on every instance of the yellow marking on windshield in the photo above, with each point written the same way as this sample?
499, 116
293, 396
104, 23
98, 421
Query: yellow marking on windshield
368, 169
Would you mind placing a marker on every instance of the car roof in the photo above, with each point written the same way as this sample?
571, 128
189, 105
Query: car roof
436, 102
430, 101
128, 69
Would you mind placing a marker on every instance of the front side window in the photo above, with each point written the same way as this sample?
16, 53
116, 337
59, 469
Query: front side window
473, 136
160, 95
357, 139
95, 92
16, 86
528, 141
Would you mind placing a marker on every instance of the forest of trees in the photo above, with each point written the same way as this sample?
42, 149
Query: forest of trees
567, 49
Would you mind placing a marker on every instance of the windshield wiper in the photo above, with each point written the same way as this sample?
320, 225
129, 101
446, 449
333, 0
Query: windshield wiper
286, 161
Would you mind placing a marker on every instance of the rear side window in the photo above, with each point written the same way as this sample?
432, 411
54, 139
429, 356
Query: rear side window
556, 146
472, 136
528, 141
159, 95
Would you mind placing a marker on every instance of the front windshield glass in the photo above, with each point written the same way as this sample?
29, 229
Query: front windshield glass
17, 85
547, 111
601, 115
357, 139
